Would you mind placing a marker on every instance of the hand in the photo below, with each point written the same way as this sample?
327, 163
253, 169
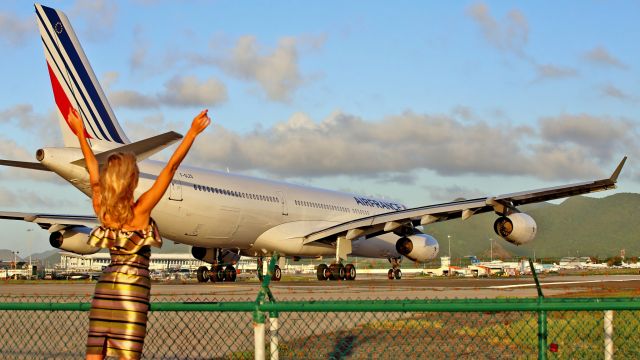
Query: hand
75, 121
200, 122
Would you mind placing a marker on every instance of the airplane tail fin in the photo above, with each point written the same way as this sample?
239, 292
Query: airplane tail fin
75, 84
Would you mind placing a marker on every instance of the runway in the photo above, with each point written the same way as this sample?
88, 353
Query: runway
368, 288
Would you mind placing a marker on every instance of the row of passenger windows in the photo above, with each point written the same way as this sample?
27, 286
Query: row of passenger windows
330, 207
243, 195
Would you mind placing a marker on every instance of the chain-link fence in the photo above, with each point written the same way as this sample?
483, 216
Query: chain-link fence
394, 329
203, 327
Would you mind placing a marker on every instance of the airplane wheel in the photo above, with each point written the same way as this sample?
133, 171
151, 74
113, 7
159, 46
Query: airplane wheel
337, 272
202, 274
230, 273
350, 272
277, 274
323, 272
218, 274
398, 274
213, 275
390, 274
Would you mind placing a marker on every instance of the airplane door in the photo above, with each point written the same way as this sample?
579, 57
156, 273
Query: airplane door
283, 201
175, 190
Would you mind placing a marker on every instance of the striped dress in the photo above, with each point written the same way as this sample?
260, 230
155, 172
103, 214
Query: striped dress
118, 317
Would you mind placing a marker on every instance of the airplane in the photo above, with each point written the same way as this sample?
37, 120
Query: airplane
223, 216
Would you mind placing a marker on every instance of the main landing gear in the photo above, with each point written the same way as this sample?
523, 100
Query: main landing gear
336, 272
395, 272
218, 271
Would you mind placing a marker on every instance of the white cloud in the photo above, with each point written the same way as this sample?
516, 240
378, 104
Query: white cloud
188, 91
178, 92
276, 71
599, 138
140, 50
100, 16
15, 31
612, 91
452, 192
600, 56
512, 34
343, 144
132, 99
550, 71
30, 199
21, 115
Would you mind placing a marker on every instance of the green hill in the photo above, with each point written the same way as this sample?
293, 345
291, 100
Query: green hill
580, 225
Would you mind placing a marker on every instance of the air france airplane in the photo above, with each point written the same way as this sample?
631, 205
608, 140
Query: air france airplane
223, 216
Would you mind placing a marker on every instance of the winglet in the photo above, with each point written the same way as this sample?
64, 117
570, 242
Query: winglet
614, 176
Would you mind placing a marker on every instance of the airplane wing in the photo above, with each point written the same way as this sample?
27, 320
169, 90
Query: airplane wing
503, 204
46, 221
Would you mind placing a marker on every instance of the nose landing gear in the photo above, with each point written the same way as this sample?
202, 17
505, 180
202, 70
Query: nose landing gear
395, 272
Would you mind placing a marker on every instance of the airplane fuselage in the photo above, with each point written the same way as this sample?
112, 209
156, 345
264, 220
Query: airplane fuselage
214, 209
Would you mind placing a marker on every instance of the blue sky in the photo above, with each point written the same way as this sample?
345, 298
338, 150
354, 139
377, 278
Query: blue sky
418, 102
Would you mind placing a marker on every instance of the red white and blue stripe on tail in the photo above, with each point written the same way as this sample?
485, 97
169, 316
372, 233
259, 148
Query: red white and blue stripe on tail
73, 81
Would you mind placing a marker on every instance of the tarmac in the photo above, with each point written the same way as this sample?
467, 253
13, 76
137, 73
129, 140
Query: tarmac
364, 288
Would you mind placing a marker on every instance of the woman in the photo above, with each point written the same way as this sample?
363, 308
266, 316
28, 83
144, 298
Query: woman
119, 307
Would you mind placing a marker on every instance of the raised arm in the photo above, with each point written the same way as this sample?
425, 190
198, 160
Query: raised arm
92, 164
149, 199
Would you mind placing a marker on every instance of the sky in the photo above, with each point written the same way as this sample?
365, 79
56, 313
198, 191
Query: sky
413, 101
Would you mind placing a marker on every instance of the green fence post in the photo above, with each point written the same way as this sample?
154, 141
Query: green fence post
259, 316
542, 335
542, 317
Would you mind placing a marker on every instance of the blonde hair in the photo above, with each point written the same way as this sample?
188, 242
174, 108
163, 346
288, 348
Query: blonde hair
118, 179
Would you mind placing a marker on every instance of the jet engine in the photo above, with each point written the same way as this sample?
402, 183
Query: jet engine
73, 239
518, 228
418, 247
209, 255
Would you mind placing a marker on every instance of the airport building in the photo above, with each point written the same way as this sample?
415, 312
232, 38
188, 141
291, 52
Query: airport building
97, 262
70, 262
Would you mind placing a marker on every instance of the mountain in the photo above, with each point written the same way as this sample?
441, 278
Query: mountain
580, 225
45, 254
8, 256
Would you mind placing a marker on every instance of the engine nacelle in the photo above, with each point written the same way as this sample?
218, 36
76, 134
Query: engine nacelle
209, 255
418, 247
518, 228
73, 239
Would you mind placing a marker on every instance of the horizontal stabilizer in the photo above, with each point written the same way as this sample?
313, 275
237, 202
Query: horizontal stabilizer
24, 164
141, 149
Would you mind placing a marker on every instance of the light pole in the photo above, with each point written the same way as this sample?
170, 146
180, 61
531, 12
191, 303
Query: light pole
449, 238
491, 240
